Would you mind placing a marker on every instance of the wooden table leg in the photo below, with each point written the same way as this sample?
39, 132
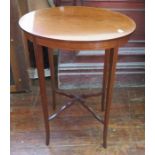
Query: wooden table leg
40, 67
112, 62
52, 71
105, 79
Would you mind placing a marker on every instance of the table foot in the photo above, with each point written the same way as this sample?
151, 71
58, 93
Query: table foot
47, 139
105, 145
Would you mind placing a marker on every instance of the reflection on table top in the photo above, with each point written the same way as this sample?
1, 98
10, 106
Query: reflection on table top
77, 23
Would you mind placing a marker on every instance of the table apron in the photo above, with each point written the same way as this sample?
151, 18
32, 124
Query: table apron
77, 45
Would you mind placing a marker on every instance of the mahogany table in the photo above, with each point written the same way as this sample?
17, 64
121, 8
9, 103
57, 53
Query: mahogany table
77, 28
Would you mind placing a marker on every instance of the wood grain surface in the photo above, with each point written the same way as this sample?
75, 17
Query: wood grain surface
77, 24
75, 131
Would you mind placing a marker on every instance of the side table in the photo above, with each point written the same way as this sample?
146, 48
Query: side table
77, 28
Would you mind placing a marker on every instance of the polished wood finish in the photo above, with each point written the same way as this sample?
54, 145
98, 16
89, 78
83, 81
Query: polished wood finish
113, 53
76, 28
77, 24
40, 67
105, 78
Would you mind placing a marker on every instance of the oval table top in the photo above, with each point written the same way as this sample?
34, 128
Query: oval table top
77, 23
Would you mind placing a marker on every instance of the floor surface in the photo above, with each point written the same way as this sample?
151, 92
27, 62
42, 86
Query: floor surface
75, 131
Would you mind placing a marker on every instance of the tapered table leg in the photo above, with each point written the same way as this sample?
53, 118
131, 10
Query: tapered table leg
52, 71
105, 79
111, 78
40, 67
